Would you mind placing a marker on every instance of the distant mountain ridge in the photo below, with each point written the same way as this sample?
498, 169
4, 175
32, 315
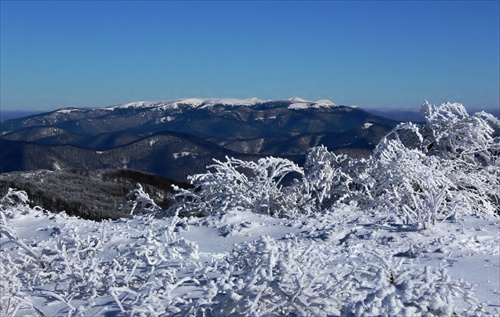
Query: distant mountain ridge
91, 138
120, 117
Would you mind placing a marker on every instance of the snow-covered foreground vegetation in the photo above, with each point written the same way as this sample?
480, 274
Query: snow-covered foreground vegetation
412, 231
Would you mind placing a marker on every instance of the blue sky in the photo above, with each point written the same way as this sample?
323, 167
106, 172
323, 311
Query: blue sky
368, 53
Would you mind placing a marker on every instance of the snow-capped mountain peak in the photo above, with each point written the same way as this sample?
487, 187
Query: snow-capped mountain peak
135, 104
188, 102
255, 100
325, 103
68, 110
193, 103
298, 100
299, 103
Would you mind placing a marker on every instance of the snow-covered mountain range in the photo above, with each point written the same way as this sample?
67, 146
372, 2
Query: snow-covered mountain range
108, 137
208, 102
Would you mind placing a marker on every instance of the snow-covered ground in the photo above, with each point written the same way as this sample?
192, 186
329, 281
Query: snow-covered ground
343, 262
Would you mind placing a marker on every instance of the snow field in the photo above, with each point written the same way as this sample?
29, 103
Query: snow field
342, 263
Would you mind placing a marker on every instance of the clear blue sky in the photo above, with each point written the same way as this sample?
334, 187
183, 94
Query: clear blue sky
368, 53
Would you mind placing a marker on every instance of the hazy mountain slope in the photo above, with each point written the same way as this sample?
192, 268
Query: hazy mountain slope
41, 135
277, 120
59, 136
169, 155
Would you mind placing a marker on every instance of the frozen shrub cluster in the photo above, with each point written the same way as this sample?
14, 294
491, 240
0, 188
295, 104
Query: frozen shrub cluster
12, 290
330, 177
158, 274
422, 174
410, 184
395, 288
69, 269
290, 278
258, 186
452, 133
14, 198
271, 278
445, 169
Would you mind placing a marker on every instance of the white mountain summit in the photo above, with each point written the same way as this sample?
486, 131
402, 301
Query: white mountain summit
299, 103
296, 103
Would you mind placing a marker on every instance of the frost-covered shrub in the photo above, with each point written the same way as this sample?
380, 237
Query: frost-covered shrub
292, 278
448, 168
142, 280
450, 132
70, 269
329, 177
258, 186
12, 198
409, 184
477, 189
271, 278
470, 148
383, 286
140, 202
420, 174
12, 291
13, 297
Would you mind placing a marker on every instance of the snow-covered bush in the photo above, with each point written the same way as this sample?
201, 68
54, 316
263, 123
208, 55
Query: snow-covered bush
382, 286
445, 169
420, 174
140, 202
271, 278
450, 132
293, 278
142, 279
12, 198
258, 186
328, 176
407, 183
470, 148
70, 269
12, 292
